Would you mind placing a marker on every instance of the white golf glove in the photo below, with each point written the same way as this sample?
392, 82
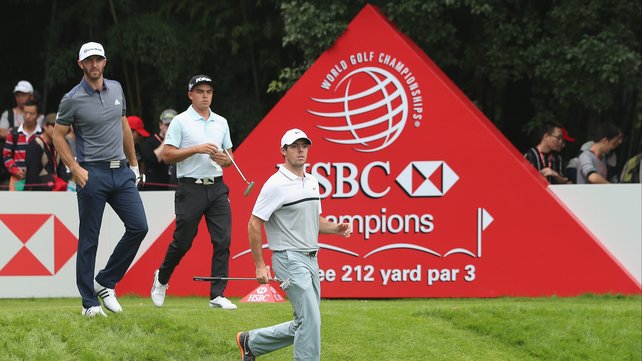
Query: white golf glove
137, 174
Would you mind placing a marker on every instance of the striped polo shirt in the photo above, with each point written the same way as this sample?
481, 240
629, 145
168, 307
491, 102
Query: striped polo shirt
15, 150
97, 117
290, 206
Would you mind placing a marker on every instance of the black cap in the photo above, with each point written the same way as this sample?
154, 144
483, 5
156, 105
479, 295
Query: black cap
199, 79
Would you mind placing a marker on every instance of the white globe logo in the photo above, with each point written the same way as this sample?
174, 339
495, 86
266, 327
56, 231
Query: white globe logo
371, 112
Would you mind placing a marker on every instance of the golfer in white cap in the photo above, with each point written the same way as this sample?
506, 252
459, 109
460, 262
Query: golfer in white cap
289, 206
105, 170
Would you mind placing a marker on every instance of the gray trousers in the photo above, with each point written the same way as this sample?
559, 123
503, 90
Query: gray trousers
300, 273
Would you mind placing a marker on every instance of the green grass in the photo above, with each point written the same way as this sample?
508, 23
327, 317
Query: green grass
580, 328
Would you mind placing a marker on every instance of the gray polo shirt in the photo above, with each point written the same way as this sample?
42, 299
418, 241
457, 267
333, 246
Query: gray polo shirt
588, 164
290, 207
97, 120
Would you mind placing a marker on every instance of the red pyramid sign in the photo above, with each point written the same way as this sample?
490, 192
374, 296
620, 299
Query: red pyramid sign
264, 293
376, 107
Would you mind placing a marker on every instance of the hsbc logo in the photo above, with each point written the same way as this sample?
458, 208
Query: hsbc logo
437, 177
34, 244
263, 293
368, 107
417, 179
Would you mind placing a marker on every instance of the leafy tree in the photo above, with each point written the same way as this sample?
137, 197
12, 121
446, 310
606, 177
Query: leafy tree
521, 63
153, 49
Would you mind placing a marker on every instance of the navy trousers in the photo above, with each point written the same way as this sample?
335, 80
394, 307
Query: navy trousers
117, 187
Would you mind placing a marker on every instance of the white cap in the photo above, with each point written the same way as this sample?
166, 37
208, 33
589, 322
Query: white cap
167, 115
292, 136
23, 86
89, 49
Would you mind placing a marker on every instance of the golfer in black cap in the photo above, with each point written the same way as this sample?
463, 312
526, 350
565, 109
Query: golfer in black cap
195, 141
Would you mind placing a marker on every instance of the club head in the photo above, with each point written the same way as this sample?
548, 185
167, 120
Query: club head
248, 189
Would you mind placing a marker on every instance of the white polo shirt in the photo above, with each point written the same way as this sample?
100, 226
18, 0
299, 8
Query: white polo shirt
290, 207
188, 129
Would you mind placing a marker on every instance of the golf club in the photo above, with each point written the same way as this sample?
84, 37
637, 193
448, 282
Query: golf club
197, 278
250, 185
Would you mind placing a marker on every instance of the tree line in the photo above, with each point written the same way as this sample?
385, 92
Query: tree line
577, 62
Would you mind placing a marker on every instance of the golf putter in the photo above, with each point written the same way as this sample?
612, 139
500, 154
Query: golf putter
250, 185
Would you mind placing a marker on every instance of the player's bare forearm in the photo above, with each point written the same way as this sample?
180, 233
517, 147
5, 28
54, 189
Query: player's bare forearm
62, 147
172, 154
256, 240
327, 227
128, 144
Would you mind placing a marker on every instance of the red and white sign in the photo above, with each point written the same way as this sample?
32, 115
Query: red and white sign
441, 204
264, 294
29, 248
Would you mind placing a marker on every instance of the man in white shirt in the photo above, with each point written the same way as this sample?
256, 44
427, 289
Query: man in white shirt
289, 206
195, 141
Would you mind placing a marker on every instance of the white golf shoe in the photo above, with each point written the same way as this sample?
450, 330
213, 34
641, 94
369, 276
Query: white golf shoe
108, 295
92, 312
222, 302
158, 291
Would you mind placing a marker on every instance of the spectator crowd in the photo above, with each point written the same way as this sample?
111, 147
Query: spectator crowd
596, 162
30, 161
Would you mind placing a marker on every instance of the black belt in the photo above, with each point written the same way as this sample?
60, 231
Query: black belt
113, 164
203, 181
